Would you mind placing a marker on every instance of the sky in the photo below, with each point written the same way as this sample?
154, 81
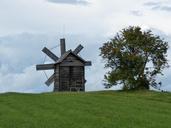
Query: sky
26, 26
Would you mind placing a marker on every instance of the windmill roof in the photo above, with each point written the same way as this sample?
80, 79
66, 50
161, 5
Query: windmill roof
65, 55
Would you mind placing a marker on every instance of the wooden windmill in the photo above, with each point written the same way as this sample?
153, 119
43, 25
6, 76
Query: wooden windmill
69, 69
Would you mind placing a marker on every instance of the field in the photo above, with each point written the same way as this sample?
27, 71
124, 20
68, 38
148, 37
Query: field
110, 109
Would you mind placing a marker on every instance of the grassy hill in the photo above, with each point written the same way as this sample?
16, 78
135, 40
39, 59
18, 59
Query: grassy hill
86, 110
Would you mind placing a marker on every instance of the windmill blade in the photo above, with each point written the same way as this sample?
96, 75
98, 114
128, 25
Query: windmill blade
50, 54
88, 63
78, 49
45, 66
50, 80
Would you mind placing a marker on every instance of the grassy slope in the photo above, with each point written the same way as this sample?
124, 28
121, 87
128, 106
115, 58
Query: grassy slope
86, 110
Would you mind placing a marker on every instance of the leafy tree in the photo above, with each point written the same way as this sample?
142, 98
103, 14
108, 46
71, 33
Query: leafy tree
134, 58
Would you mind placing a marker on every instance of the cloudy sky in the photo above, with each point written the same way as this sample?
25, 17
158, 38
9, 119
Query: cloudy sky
26, 26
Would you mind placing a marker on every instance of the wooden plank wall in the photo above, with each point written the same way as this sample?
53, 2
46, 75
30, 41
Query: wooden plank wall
71, 61
71, 77
56, 78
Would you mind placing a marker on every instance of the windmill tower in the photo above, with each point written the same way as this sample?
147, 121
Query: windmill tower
69, 69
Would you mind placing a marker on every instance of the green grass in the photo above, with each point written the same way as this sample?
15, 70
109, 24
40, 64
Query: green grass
141, 109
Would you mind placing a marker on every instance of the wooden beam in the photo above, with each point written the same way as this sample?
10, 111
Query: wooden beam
78, 49
73, 63
62, 45
50, 54
88, 63
50, 80
45, 66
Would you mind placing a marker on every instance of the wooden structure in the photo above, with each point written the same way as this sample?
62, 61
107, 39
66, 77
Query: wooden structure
69, 69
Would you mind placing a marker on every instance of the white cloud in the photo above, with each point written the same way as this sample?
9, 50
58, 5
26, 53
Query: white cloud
161, 6
73, 2
27, 81
136, 13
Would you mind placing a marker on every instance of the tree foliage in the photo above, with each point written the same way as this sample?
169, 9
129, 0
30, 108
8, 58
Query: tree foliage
135, 58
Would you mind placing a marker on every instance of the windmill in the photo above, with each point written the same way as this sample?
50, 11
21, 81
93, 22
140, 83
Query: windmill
69, 69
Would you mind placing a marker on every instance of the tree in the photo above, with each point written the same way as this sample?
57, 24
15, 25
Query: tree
135, 58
